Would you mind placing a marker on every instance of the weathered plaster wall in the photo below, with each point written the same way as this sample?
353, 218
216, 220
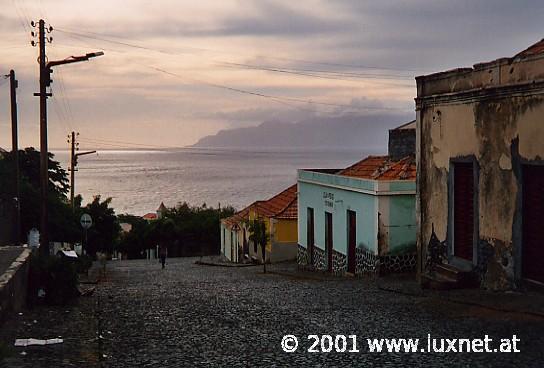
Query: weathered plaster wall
501, 132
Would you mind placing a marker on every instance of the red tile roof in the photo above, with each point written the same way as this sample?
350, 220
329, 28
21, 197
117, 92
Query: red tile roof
282, 206
283, 203
237, 218
382, 168
290, 212
150, 216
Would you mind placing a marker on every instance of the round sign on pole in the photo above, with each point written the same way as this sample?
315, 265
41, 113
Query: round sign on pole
86, 221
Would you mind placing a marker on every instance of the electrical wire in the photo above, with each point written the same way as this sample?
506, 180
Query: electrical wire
263, 95
221, 86
113, 142
101, 36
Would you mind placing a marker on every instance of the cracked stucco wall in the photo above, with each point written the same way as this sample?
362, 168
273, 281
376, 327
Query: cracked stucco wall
501, 130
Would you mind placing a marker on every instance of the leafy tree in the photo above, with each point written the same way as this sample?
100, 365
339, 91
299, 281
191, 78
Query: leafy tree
63, 226
259, 236
103, 235
184, 229
133, 243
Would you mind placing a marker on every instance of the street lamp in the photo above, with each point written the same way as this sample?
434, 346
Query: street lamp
45, 81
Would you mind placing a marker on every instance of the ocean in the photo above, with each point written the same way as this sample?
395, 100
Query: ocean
138, 181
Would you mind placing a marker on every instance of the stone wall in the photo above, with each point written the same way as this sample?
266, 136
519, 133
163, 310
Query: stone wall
367, 263
14, 284
339, 263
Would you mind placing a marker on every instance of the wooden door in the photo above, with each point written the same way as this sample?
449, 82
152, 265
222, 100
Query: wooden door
463, 208
352, 240
328, 239
533, 223
310, 235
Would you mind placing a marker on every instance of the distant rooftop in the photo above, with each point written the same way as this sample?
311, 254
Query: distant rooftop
282, 204
382, 168
150, 216
408, 125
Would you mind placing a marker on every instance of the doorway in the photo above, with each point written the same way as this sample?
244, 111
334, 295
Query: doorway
463, 210
310, 240
532, 228
352, 240
328, 239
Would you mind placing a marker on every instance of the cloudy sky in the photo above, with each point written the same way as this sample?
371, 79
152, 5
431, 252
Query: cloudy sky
175, 71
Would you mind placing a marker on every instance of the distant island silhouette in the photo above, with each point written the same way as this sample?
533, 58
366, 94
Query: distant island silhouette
320, 132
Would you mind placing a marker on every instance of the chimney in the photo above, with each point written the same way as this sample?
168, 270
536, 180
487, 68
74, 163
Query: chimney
402, 141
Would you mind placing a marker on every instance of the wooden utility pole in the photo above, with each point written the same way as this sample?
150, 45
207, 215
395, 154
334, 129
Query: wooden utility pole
45, 81
15, 153
72, 168
44, 152
73, 163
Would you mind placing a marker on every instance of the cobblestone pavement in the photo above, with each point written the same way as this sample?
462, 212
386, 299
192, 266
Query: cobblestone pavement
191, 315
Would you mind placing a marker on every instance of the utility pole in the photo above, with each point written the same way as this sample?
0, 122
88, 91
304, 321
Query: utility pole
72, 168
73, 163
45, 81
15, 152
44, 152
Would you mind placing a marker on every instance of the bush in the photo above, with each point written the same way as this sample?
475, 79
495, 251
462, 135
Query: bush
5, 352
83, 263
56, 276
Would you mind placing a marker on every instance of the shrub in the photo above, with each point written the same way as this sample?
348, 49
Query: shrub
56, 276
83, 263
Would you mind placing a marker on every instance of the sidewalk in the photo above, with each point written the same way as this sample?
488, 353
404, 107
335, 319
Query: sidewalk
530, 303
527, 303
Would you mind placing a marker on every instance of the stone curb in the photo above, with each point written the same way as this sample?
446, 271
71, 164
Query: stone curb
227, 265
462, 302
14, 267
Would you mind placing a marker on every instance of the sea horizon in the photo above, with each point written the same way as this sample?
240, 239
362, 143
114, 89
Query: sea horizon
138, 180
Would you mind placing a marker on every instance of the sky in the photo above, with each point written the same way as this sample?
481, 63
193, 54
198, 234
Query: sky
175, 71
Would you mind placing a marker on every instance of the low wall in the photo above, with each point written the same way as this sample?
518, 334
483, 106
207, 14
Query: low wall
14, 285
283, 252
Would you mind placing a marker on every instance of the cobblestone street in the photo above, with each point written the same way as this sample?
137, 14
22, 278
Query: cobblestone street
191, 315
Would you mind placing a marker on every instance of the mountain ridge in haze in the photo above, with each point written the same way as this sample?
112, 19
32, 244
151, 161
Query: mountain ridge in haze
319, 132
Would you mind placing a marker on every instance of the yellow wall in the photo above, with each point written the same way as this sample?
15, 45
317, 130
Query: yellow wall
286, 231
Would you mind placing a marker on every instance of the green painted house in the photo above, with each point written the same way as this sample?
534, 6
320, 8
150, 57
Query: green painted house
361, 219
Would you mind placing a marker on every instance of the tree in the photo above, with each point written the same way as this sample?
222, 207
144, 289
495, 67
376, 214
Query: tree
63, 226
258, 235
103, 235
133, 243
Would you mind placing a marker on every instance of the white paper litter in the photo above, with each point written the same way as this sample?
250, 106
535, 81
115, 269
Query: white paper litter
29, 342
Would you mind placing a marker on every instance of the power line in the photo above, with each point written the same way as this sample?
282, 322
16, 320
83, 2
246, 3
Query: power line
232, 89
326, 74
333, 72
113, 41
108, 141
103, 37
260, 94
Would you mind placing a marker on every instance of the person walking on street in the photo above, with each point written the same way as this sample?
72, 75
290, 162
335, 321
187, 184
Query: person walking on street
163, 251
